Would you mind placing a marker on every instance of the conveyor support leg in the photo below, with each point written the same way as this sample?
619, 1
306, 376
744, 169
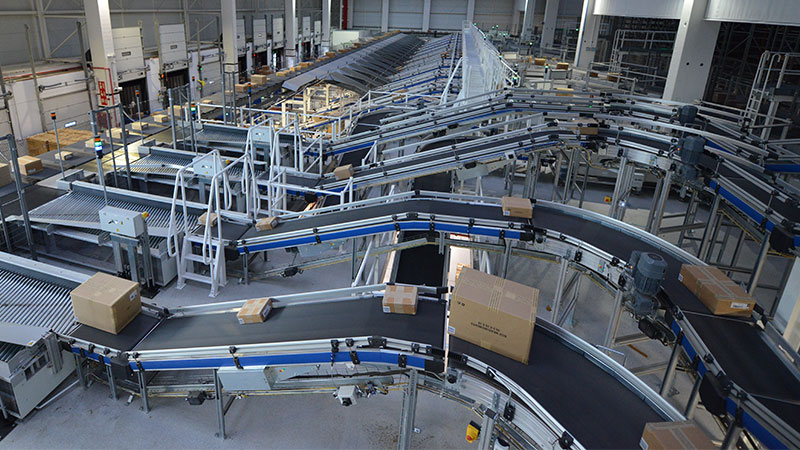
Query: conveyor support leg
79, 368
734, 430
220, 406
669, 375
694, 397
613, 323
712, 215
762, 258
143, 391
111, 384
409, 410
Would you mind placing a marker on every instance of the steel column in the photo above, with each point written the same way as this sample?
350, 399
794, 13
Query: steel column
762, 258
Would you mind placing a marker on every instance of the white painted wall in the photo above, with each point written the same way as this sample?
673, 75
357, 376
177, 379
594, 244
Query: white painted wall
448, 14
406, 14
657, 9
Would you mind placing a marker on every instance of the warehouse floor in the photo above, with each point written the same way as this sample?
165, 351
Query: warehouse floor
318, 421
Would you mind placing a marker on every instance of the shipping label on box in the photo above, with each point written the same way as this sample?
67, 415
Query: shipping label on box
517, 207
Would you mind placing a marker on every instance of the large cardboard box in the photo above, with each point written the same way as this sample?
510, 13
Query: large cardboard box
497, 314
720, 294
343, 172
205, 219
160, 118
258, 79
266, 223
254, 310
539, 62
674, 435
5, 174
400, 299
29, 165
106, 302
517, 207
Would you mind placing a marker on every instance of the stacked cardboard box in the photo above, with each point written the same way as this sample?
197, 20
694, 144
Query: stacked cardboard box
720, 294
496, 314
45, 142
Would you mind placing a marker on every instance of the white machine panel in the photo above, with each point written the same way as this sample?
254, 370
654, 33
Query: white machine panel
129, 56
259, 35
122, 221
317, 31
277, 32
172, 49
306, 29
206, 167
241, 45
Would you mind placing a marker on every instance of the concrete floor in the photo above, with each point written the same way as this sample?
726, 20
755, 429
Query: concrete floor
318, 421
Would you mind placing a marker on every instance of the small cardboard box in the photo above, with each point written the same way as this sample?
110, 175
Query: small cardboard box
258, 79
106, 302
206, 101
517, 207
160, 118
720, 294
177, 110
613, 77
400, 299
202, 219
343, 172
240, 88
5, 174
266, 223
562, 66
587, 126
139, 126
254, 310
539, 62
29, 165
593, 74
674, 435
564, 92
497, 314
64, 155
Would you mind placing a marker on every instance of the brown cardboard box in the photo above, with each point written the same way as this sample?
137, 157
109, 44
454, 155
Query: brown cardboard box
65, 155
240, 88
177, 110
206, 101
564, 92
266, 223
106, 302
160, 118
613, 77
254, 310
517, 207
593, 74
720, 294
258, 79
5, 174
29, 165
400, 299
116, 134
139, 126
497, 314
202, 219
674, 435
343, 172
539, 62
587, 126
562, 66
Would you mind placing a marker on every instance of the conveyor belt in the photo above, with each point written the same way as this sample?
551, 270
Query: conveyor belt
352, 318
131, 335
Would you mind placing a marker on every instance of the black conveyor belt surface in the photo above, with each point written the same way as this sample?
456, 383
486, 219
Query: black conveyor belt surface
736, 345
598, 410
125, 340
343, 319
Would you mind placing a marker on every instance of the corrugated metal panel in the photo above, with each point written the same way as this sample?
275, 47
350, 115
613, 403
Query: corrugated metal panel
366, 14
654, 9
493, 12
405, 15
448, 14
128, 52
776, 12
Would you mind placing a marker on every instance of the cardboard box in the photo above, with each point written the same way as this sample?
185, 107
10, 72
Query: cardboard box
139, 126
29, 165
674, 435
206, 101
160, 118
562, 66
177, 110
106, 302
497, 314
564, 92
400, 299
5, 174
116, 134
202, 219
258, 79
240, 88
587, 126
720, 294
517, 207
613, 77
65, 155
266, 223
593, 74
254, 310
539, 62
343, 172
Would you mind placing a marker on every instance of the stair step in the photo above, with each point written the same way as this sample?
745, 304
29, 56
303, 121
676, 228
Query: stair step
194, 257
197, 277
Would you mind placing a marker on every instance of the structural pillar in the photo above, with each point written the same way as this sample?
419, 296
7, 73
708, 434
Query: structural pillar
384, 16
549, 25
527, 22
426, 16
692, 53
101, 43
228, 19
787, 313
587, 36
326, 25
290, 26
470, 11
